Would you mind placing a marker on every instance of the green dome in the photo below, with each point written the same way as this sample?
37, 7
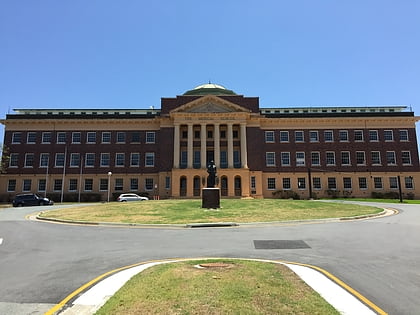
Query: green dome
210, 88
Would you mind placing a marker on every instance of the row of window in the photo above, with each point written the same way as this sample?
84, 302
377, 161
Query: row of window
340, 135
91, 137
331, 184
89, 160
345, 158
73, 185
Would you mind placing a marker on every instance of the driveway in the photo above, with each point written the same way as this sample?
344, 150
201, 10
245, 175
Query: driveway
41, 263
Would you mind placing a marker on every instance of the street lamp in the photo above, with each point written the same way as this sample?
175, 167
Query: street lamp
109, 183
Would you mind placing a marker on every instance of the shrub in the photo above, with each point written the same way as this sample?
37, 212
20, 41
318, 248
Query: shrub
286, 194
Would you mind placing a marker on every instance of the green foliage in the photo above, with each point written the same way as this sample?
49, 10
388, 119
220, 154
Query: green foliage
286, 194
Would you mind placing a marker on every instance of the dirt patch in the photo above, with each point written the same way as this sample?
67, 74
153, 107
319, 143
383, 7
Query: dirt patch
216, 265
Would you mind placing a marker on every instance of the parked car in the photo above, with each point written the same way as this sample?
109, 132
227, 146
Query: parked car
31, 200
131, 197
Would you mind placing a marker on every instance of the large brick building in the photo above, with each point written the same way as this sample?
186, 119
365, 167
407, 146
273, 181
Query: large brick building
351, 151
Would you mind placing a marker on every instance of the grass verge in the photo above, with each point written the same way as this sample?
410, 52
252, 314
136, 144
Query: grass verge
190, 211
224, 287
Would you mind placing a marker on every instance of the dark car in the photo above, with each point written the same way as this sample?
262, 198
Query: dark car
31, 200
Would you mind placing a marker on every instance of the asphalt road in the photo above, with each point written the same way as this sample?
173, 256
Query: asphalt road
41, 263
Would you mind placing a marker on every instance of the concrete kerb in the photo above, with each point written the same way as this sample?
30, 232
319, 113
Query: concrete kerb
342, 297
385, 212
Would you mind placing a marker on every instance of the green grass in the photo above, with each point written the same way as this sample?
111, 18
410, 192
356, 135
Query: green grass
190, 211
240, 287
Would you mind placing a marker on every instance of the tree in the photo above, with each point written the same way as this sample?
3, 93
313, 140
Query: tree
5, 156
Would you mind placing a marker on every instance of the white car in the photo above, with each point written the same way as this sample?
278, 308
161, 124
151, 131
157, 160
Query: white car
131, 197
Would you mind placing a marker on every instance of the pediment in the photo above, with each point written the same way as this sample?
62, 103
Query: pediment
209, 104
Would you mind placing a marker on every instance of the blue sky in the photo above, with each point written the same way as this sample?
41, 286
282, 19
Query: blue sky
129, 54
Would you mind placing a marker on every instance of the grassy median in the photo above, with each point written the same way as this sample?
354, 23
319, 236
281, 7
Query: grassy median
221, 287
190, 211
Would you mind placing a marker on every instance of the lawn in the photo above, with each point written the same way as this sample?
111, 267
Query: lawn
222, 287
190, 211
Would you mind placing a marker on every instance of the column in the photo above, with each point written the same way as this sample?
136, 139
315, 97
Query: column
203, 134
190, 146
176, 145
244, 155
217, 145
230, 144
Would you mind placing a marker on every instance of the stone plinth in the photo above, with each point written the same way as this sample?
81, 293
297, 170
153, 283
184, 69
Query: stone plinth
210, 198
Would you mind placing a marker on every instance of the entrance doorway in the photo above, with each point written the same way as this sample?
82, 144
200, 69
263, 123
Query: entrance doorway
183, 186
238, 186
224, 186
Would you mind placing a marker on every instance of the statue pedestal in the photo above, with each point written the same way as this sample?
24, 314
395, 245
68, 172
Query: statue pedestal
210, 198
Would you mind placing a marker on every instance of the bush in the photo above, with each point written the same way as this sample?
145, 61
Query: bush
74, 197
286, 194
333, 193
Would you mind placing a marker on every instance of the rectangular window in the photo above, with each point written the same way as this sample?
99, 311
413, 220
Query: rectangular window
91, 137
390, 158
330, 158
119, 159
42, 184
270, 159
106, 137
46, 137
271, 183
11, 185
284, 136
301, 183
285, 158
328, 136
269, 137
119, 184
44, 160
14, 160
376, 157
253, 183
358, 135
408, 182
59, 159
377, 182
61, 137
134, 184
184, 160
135, 137
103, 184
360, 158
31, 138
73, 184
316, 182
58, 183
150, 137
363, 183
236, 159
167, 182
135, 159
347, 183
74, 159
299, 136
373, 136
343, 136
403, 135
315, 159
150, 159
196, 159
105, 157
120, 137
90, 160
76, 137
332, 184
88, 184
388, 135
16, 138
300, 158
313, 136
286, 183
27, 183
345, 158
29, 159
406, 157
148, 184
223, 159
393, 182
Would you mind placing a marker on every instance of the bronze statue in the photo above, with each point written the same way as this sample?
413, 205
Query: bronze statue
211, 179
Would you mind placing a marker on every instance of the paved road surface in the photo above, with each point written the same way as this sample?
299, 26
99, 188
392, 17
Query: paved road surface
41, 263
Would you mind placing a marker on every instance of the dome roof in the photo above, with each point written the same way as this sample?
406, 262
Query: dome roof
210, 88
